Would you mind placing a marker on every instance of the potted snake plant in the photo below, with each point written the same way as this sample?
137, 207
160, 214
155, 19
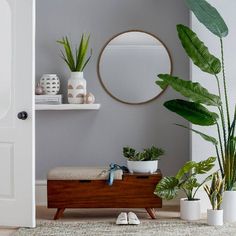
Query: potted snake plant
142, 162
215, 194
186, 180
196, 107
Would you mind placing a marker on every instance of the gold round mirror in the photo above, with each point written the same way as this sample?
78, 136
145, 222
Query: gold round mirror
128, 66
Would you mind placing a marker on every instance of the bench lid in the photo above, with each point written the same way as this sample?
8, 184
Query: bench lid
82, 173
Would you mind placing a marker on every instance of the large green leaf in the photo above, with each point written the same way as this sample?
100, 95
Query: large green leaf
186, 168
193, 112
197, 51
203, 167
208, 16
167, 188
204, 136
190, 184
194, 91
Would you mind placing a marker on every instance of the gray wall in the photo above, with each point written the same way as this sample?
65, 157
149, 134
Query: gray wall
97, 137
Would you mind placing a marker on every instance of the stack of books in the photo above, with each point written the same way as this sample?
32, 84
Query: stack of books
48, 99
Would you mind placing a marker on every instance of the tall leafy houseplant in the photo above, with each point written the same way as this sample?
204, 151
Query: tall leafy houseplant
196, 108
76, 61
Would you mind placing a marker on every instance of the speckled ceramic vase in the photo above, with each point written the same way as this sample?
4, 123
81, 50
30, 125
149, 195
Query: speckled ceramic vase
76, 88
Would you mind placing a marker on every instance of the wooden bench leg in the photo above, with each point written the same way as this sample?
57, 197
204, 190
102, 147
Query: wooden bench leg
59, 213
151, 212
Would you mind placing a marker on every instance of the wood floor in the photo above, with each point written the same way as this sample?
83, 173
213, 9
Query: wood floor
95, 214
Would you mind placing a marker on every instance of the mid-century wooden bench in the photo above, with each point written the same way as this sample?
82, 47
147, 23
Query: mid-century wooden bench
74, 187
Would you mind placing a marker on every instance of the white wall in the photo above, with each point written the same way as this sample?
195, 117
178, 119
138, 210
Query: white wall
200, 149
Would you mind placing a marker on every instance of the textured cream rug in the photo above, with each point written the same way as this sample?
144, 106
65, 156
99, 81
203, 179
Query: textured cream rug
171, 227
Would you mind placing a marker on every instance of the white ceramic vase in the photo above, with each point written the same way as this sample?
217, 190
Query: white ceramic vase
229, 206
142, 166
190, 210
76, 89
214, 217
50, 84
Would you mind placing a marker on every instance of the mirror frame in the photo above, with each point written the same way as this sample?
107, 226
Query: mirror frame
100, 77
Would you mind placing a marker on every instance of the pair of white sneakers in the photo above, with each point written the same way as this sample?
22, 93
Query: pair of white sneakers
127, 219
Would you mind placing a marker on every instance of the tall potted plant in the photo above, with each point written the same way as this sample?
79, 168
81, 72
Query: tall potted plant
186, 181
77, 86
195, 110
215, 194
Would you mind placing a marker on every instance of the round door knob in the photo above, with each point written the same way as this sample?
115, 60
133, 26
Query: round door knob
22, 115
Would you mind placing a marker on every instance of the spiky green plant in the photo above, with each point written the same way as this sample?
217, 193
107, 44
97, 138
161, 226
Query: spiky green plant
215, 192
76, 61
194, 108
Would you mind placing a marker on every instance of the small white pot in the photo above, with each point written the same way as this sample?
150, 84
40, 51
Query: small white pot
76, 89
229, 206
142, 166
190, 210
214, 217
50, 83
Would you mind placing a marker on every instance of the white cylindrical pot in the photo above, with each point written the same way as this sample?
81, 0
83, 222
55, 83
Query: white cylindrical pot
142, 166
76, 89
190, 210
50, 84
229, 206
214, 217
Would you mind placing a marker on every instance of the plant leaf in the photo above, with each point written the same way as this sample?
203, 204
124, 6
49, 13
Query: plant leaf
208, 16
191, 90
167, 188
186, 168
193, 112
204, 136
203, 167
197, 51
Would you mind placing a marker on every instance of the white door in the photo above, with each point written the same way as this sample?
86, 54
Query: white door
17, 156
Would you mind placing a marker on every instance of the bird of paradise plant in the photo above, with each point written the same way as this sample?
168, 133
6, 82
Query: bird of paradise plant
194, 109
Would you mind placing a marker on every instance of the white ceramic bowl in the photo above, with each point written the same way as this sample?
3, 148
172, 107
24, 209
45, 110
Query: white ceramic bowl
142, 166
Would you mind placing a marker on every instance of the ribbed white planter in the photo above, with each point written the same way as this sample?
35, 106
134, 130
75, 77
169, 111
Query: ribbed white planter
190, 210
215, 217
229, 206
142, 166
76, 88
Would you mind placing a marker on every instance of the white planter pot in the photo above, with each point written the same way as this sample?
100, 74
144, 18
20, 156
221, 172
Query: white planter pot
50, 84
214, 217
142, 166
229, 206
190, 210
76, 89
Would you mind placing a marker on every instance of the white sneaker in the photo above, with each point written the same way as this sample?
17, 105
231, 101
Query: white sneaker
122, 219
133, 219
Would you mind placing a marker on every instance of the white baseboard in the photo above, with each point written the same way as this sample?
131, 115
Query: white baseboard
41, 195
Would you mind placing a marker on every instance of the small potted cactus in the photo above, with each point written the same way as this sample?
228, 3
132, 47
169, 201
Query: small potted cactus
215, 194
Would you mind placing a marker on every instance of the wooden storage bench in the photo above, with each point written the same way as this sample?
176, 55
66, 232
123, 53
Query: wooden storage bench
72, 187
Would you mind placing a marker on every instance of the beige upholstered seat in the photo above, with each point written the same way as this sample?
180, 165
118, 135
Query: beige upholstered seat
82, 173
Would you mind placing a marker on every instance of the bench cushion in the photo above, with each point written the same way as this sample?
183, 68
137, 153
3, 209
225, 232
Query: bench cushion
82, 173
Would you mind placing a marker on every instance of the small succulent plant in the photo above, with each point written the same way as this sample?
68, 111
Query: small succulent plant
149, 154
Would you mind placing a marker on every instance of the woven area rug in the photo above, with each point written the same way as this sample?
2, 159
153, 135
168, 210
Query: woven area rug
158, 227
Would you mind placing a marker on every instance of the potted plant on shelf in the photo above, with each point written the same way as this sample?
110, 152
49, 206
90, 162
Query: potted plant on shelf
142, 162
215, 194
76, 62
186, 180
194, 108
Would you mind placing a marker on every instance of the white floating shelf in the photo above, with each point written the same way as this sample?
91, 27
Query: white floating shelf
46, 107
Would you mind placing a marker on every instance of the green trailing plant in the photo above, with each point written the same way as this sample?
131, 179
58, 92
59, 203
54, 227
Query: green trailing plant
215, 191
195, 108
149, 154
76, 61
185, 180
